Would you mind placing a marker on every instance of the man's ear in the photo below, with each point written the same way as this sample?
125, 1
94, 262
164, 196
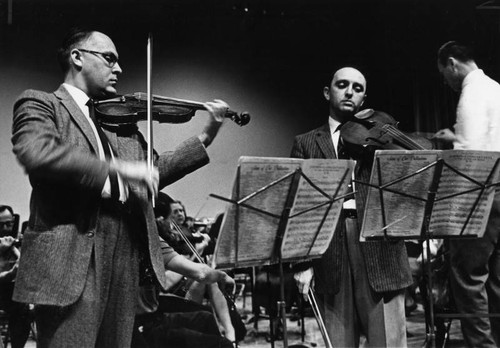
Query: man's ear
452, 62
76, 58
363, 101
326, 93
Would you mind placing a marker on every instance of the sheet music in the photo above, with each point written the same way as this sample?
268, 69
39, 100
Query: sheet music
257, 232
299, 238
404, 215
450, 214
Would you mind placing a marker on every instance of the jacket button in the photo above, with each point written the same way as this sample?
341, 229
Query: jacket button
90, 234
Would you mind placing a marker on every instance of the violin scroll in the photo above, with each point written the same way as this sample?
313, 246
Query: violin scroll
241, 119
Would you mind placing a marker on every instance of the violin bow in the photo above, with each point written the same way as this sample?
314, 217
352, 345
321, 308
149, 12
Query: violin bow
150, 111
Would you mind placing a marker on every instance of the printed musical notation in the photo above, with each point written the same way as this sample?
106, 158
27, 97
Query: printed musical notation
463, 194
249, 236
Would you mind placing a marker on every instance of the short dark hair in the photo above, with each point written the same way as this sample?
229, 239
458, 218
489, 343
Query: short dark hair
457, 50
7, 207
74, 38
162, 206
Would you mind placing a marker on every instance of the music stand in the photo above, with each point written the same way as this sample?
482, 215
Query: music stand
282, 210
420, 187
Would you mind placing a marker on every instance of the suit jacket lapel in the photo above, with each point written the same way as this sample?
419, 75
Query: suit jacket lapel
113, 140
324, 141
78, 117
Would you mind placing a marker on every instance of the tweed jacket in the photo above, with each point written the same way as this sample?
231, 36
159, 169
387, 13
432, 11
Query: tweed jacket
386, 262
55, 144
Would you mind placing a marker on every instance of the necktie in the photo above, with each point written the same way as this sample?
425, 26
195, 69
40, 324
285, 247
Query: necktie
342, 154
341, 151
113, 179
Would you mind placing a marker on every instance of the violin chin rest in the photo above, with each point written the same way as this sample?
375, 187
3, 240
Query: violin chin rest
364, 114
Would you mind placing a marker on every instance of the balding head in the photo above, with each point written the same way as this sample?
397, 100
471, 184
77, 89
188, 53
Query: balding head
346, 93
92, 63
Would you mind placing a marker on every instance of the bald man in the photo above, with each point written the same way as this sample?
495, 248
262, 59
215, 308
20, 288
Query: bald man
360, 286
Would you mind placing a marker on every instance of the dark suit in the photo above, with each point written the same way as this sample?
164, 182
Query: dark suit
71, 230
385, 264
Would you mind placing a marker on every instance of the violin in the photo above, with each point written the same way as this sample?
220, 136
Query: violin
130, 108
369, 130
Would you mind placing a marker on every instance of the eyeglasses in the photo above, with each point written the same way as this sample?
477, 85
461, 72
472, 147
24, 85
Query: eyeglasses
110, 58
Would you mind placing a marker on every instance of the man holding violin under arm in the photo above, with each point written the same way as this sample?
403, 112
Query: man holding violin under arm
91, 220
360, 286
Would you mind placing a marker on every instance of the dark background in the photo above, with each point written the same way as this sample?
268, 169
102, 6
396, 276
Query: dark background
271, 58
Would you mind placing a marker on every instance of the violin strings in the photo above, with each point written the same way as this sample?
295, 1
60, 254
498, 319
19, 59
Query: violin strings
403, 138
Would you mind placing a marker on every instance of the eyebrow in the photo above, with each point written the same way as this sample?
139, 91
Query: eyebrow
355, 83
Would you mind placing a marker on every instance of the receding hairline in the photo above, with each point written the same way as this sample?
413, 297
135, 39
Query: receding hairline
349, 68
98, 37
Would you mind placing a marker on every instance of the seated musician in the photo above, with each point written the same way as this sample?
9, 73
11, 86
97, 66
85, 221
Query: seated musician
191, 289
178, 217
156, 324
19, 313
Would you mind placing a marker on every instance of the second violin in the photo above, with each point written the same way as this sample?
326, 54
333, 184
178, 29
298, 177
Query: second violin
369, 130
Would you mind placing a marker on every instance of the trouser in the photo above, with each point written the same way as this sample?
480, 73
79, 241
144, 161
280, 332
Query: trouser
358, 310
475, 282
180, 330
103, 316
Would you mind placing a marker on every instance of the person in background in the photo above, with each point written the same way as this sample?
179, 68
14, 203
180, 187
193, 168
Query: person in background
19, 313
7, 222
178, 322
475, 264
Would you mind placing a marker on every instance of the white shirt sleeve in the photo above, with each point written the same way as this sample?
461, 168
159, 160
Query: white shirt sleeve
472, 120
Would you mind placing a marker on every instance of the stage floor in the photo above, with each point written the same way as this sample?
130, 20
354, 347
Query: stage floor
415, 332
257, 338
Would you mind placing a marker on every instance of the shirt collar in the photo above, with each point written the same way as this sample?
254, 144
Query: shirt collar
78, 95
334, 124
472, 76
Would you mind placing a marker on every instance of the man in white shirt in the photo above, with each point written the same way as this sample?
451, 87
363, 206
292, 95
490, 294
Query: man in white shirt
475, 264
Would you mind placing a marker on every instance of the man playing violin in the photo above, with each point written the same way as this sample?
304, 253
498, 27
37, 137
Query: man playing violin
475, 264
360, 286
91, 220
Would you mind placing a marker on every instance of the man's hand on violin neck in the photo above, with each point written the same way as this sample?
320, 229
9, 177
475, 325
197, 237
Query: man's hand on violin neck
138, 173
217, 110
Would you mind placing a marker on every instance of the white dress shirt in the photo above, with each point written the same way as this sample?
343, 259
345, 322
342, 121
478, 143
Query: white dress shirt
335, 133
478, 114
81, 100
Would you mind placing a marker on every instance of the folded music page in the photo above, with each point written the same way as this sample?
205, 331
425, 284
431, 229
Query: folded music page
309, 231
399, 190
459, 195
263, 185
